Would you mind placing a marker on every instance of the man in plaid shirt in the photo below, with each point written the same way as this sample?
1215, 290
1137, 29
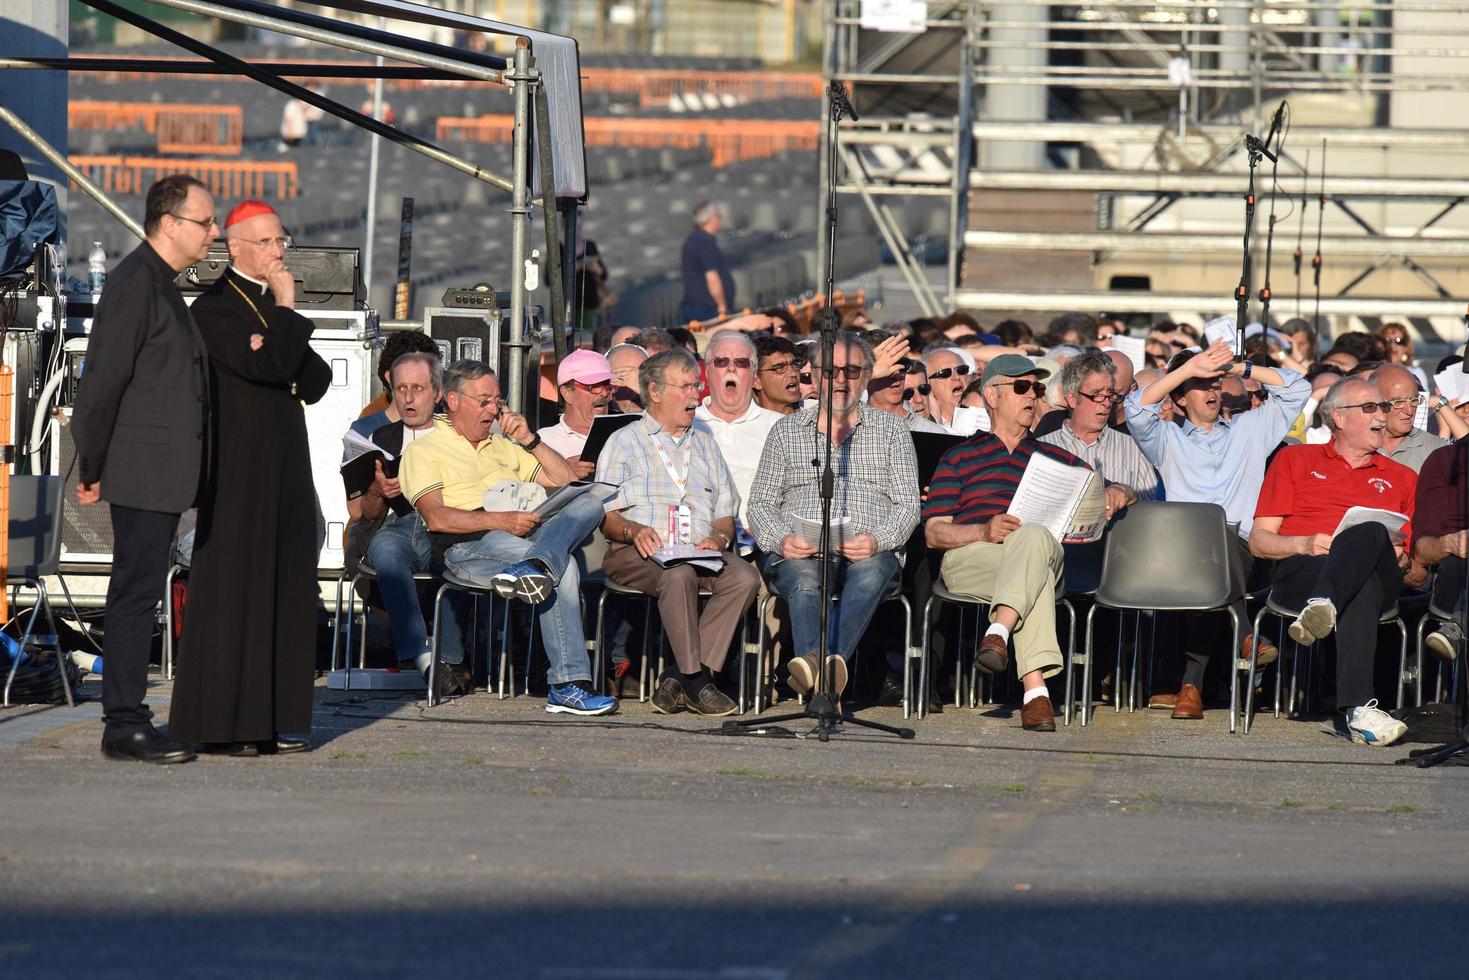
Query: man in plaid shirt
876, 491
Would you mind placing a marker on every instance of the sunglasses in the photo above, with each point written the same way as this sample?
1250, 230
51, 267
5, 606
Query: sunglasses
742, 363
949, 372
920, 389
1023, 387
850, 371
1261, 395
1399, 341
1368, 408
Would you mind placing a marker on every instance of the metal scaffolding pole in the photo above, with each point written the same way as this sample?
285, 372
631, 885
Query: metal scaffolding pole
521, 80
64, 165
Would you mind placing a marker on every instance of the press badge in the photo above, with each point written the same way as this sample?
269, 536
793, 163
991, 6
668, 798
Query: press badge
680, 524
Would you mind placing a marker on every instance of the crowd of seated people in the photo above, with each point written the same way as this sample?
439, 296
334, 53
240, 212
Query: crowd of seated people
1283, 440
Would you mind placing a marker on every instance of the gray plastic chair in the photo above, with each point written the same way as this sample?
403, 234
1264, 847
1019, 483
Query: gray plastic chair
35, 552
1443, 615
1166, 557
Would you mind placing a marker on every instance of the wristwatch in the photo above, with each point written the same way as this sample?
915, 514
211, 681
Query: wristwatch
1249, 366
530, 446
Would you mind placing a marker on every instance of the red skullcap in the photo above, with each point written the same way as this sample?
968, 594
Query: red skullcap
247, 209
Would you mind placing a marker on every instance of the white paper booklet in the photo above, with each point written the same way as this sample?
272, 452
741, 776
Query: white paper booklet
687, 554
508, 495
1067, 500
1222, 328
605, 492
1389, 519
969, 419
1136, 349
809, 531
1453, 384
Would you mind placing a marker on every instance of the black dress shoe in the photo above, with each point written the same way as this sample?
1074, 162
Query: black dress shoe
281, 745
891, 695
146, 745
235, 750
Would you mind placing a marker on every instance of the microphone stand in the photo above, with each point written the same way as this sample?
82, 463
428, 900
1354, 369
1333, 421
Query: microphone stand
1316, 259
1255, 149
1270, 229
1301, 230
822, 706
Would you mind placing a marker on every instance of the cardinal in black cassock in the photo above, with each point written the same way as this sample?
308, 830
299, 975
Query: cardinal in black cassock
247, 655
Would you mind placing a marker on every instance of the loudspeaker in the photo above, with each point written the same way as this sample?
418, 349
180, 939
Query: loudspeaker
467, 333
327, 277
86, 532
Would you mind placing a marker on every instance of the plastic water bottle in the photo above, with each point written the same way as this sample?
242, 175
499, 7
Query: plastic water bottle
97, 268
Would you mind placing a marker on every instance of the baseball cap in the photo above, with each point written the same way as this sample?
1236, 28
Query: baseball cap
586, 366
1011, 366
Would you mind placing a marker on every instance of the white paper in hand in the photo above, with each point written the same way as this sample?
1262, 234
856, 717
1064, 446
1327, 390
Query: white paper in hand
1222, 328
970, 419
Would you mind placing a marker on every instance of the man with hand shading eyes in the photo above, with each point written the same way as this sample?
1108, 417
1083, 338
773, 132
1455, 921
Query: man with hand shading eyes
904, 393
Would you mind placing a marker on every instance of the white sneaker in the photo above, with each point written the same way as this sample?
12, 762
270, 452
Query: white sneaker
1315, 622
1370, 725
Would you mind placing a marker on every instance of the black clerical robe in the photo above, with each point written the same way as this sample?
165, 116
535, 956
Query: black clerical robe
247, 655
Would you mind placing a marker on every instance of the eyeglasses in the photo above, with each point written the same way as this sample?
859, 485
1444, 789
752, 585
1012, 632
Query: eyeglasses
1368, 408
805, 377
1415, 401
850, 371
1101, 397
740, 363
689, 388
487, 401
1398, 341
949, 372
1261, 395
208, 222
286, 242
1023, 387
781, 367
596, 386
920, 389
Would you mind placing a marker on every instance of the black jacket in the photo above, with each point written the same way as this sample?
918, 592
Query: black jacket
139, 420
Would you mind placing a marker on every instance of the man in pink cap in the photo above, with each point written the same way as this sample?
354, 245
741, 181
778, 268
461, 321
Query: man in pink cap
584, 381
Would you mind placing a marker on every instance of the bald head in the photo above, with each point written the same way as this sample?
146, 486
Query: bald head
1124, 370
1396, 384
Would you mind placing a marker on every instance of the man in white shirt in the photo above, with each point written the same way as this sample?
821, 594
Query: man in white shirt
584, 381
730, 414
948, 374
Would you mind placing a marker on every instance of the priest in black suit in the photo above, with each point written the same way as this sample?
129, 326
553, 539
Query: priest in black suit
247, 656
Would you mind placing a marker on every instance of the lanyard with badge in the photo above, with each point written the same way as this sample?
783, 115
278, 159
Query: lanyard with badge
680, 526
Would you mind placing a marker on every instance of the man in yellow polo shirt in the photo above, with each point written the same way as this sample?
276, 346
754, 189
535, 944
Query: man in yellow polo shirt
445, 475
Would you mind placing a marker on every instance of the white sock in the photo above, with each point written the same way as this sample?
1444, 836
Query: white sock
1036, 692
1000, 630
422, 662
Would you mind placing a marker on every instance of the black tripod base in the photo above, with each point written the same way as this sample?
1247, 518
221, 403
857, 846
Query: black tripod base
820, 709
1428, 758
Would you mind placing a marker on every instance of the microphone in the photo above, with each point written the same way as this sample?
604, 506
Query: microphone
837, 92
1255, 145
1275, 122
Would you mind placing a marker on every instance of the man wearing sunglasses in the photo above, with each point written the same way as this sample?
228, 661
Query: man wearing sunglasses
876, 491
584, 382
1213, 460
729, 413
1402, 440
948, 374
1342, 583
988, 552
904, 393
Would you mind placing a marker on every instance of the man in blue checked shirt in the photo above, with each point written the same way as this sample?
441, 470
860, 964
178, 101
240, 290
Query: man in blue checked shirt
1213, 460
876, 491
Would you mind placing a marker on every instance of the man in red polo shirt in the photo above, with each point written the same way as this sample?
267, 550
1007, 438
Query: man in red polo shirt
1348, 579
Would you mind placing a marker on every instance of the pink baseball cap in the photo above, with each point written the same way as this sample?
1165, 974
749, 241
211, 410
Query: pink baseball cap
586, 366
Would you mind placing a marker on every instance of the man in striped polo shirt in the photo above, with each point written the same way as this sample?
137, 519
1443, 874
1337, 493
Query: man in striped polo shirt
988, 552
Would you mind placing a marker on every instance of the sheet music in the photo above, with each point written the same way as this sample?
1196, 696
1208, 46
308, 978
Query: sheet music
809, 531
687, 554
1221, 328
970, 419
1065, 500
1135, 348
1389, 519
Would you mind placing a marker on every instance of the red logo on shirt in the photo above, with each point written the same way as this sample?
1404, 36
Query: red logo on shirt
1382, 485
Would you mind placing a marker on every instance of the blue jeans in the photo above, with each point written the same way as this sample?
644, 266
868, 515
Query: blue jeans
861, 586
399, 549
551, 542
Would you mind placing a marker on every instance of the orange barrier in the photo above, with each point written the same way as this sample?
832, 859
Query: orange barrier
180, 128
229, 179
728, 140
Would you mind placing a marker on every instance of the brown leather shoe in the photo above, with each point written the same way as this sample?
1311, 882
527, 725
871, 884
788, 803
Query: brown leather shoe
993, 656
1267, 655
1038, 715
1163, 702
1190, 704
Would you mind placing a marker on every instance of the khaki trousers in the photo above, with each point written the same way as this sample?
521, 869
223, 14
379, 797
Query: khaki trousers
1022, 573
694, 639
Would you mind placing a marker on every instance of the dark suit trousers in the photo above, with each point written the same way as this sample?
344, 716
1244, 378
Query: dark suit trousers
1360, 576
141, 542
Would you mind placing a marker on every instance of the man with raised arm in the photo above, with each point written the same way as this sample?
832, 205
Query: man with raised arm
1213, 460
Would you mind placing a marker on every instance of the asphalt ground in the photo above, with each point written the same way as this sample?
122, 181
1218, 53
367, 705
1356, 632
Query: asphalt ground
486, 838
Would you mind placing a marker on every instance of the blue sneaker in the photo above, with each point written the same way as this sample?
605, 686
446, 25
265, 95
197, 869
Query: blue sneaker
528, 581
574, 699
